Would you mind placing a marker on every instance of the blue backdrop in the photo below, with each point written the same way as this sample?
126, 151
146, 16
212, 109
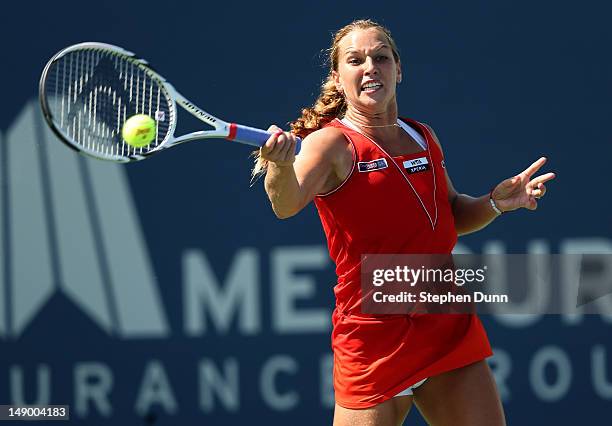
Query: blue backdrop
166, 292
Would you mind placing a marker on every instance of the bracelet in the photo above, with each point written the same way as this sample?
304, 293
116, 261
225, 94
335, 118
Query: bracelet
493, 205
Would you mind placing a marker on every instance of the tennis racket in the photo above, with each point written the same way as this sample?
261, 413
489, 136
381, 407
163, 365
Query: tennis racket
89, 90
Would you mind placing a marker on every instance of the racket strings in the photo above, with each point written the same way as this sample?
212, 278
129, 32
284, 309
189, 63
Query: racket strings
92, 92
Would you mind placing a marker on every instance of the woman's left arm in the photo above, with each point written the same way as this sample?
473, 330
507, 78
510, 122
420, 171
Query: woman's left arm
472, 214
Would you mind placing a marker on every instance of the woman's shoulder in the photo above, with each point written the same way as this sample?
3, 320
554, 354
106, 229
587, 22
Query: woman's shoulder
328, 141
330, 136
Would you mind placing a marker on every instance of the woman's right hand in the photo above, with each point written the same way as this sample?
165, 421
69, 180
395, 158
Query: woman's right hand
279, 148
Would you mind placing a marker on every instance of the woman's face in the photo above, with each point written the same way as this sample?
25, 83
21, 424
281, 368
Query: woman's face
367, 72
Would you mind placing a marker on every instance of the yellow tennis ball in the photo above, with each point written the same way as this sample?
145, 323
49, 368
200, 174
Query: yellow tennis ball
139, 130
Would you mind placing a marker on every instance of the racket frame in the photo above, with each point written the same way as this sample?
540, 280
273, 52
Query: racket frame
222, 129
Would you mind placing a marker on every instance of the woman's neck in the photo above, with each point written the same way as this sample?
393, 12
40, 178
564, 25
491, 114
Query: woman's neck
371, 120
373, 124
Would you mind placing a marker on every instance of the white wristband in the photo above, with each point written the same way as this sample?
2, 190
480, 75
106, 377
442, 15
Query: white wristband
494, 206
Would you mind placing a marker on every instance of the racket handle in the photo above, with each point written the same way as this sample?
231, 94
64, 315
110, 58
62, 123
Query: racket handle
252, 136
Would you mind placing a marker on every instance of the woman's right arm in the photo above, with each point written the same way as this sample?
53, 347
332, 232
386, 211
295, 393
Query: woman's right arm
293, 181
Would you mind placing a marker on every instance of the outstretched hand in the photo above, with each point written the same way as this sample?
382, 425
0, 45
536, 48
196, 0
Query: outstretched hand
521, 190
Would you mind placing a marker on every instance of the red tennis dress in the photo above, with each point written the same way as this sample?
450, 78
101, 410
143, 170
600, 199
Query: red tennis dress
382, 208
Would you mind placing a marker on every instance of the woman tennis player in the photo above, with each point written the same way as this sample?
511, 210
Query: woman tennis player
352, 164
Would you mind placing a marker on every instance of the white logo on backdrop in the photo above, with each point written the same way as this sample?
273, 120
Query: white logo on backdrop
68, 224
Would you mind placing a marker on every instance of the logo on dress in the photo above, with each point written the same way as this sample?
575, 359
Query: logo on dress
417, 165
370, 166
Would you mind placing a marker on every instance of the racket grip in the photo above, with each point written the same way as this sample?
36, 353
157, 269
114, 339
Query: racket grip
252, 136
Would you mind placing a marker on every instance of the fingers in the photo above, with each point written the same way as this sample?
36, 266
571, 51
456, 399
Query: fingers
536, 187
542, 178
521, 190
288, 146
535, 166
270, 145
279, 148
274, 128
538, 191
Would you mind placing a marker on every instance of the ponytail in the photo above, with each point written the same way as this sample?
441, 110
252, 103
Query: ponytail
329, 105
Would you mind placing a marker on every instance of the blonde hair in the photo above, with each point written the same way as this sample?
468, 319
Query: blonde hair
331, 102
